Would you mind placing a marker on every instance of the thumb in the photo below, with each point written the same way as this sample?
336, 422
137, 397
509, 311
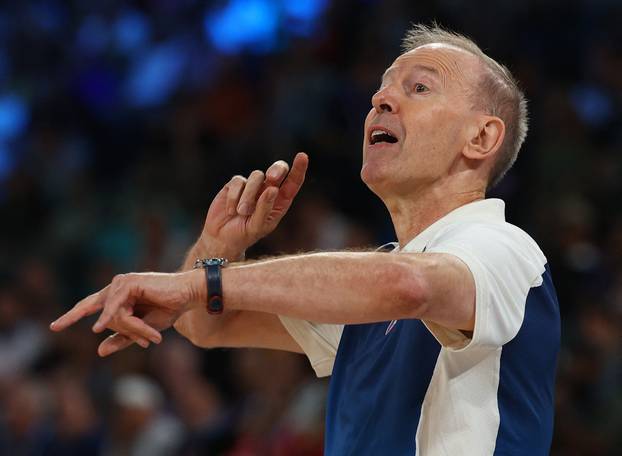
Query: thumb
218, 205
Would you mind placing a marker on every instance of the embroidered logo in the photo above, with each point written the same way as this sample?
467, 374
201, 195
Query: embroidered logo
390, 327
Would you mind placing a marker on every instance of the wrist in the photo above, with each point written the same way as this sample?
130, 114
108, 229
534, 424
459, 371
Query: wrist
208, 246
212, 291
195, 279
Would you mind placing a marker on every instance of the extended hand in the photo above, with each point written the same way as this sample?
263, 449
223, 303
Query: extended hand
137, 307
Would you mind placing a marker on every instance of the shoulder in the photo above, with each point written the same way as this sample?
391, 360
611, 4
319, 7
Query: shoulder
493, 233
495, 246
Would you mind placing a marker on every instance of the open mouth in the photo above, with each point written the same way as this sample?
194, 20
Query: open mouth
381, 136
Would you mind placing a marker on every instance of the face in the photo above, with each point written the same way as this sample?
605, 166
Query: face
418, 125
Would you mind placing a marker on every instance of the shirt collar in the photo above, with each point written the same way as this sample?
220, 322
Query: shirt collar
485, 209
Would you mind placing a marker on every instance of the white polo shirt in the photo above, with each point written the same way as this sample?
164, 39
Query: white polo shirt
489, 394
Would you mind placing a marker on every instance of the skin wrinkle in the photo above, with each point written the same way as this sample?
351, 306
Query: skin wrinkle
440, 63
454, 71
448, 67
430, 70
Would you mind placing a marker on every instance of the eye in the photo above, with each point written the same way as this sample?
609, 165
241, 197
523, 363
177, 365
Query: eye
420, 88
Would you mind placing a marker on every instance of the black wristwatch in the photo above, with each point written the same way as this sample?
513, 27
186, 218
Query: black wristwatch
213, 278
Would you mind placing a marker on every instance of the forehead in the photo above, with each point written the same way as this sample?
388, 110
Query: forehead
449, 62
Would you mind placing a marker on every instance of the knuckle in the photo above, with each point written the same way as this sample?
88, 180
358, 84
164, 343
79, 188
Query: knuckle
118, 279
122, 281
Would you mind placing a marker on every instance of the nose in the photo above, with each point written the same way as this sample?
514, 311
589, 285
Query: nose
385, 101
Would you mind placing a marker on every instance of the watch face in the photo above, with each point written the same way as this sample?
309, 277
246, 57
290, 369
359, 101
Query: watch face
210, 262
215, 261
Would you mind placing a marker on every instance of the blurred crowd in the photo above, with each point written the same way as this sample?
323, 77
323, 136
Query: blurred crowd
120, 120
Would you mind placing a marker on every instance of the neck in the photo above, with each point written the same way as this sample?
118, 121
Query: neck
414, 214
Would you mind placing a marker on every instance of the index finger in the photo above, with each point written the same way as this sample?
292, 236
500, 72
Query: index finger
84, 308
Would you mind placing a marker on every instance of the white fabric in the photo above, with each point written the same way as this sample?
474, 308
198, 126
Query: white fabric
505, 263
318, 341
460, 414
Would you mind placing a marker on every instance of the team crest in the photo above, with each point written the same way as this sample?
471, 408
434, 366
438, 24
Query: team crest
390, 327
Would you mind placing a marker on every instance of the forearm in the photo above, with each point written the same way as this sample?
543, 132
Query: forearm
328, 287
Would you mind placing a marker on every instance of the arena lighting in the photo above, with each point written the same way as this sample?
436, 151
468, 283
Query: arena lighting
304, 10
257, 25
14, 116
132, 31
243, 24
302, 15
156, 74
592, 105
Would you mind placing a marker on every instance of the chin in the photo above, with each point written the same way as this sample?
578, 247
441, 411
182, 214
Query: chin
374, 177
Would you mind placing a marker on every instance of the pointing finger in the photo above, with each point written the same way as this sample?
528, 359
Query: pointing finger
84, 308
120, 294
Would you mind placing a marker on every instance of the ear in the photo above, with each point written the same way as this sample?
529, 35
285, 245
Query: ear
487, 137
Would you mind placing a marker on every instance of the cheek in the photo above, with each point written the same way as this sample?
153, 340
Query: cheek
432, 142
366, 123
368, 118
438, 127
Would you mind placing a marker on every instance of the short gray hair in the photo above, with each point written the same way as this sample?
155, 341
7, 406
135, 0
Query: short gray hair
496, 93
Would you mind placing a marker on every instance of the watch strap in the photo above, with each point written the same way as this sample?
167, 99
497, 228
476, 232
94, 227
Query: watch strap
213, 280
214, 288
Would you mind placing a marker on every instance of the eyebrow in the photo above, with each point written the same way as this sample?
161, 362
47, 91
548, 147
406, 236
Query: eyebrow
425, 68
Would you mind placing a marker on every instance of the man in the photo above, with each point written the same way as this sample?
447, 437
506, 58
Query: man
447, 345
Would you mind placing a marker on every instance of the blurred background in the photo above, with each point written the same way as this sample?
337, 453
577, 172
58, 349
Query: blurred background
120, 120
